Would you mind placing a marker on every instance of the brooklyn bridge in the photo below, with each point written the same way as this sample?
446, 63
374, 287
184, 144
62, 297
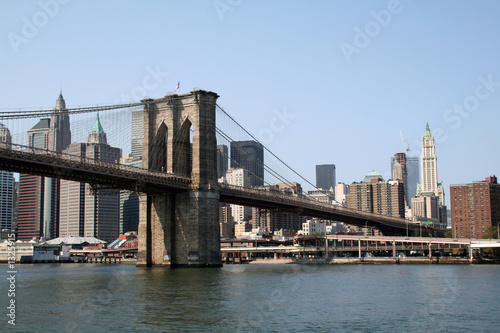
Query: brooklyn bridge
178, 187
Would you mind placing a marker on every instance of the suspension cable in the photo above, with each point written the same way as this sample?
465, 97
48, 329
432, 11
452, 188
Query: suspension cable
274, 155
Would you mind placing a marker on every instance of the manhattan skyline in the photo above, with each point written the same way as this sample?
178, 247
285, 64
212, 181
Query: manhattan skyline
282, 70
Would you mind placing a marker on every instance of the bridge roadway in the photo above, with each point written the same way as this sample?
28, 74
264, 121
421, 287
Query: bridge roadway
28, 160
41, 162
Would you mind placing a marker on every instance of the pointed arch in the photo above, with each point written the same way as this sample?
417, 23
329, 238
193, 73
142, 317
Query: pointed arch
182, 160
158, 152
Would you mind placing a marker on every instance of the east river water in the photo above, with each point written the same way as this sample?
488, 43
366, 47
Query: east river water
253, 298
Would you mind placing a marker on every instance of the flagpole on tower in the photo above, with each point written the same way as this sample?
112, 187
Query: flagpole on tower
178, 86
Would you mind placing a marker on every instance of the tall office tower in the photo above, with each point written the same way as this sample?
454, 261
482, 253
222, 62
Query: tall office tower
39, 196
72, 200
325, 176
226, 221
399, 171
129, 201
222, 160
6, 187
59, 137
239, 177
137, 134
412, 167
430, 185
31, 189
428, 163
250, 156
412, 176
474, 207
90, 214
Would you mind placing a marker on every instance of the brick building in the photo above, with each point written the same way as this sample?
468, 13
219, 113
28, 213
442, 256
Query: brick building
474, 207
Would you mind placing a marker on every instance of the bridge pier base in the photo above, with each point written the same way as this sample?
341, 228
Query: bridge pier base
180, 230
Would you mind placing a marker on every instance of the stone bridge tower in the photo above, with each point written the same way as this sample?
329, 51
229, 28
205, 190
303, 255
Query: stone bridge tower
181, 228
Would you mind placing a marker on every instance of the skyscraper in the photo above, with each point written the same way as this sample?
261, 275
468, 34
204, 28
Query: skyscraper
325, 176
399, 171
31, 189
412, 176
249, 155
430, 186
222, 160
90, 214
59, 136
428, 164
39, 196
129, 201
409, 167
6, 187
137, 134
239, 177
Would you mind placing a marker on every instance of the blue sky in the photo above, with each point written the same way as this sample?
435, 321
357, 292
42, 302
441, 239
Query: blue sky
348, 75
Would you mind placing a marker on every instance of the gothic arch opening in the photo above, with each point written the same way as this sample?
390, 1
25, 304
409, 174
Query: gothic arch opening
158, 152
183, 150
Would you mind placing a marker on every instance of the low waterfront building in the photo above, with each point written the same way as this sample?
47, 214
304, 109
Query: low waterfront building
312, 227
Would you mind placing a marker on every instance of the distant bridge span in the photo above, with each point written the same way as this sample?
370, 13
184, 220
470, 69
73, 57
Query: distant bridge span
390, 226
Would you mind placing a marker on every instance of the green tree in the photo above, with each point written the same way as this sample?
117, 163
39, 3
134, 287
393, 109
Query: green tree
448, 234
491, 232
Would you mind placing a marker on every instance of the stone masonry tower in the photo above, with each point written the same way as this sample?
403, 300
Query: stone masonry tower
181, 229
